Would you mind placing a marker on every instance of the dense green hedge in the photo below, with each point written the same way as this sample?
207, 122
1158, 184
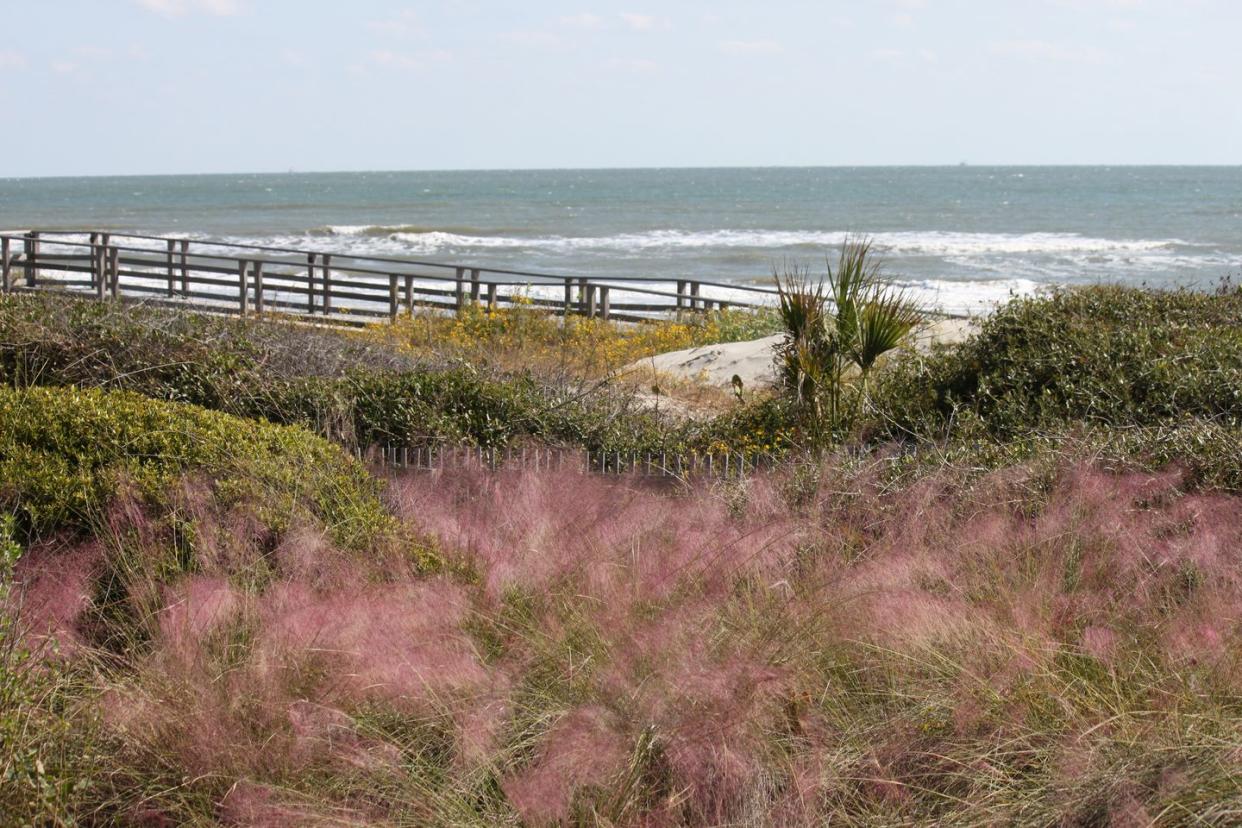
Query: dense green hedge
1100, 356
1126, 375
65, 451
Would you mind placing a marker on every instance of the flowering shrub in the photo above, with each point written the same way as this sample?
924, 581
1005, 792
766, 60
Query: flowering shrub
524, 336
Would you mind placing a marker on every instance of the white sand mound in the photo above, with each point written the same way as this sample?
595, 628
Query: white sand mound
754, 361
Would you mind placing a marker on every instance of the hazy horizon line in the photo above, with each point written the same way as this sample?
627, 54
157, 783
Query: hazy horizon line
639, 168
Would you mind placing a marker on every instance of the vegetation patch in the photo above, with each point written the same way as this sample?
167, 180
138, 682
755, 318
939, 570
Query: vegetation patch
356, 389
64, 453
525, 337
1106, 356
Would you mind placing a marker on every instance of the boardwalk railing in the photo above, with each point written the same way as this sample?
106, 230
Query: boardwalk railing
245, 279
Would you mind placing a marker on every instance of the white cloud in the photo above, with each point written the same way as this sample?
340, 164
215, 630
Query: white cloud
903, 19
639, 22
179, 8
403, 24
638, 66
63, 67
1086, 5
403, 60
12, 60
1047, 51
751, 47
93, 53
582, 21
887, 54
535, 39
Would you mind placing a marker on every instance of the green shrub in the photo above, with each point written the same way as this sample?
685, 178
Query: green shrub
1103, 356
65, 451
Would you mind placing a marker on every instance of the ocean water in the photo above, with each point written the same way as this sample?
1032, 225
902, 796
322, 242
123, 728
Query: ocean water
961, 238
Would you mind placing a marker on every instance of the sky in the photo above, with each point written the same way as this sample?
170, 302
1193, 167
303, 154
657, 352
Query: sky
106, 87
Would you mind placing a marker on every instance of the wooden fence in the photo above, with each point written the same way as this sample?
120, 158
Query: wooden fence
717, 465
255, 279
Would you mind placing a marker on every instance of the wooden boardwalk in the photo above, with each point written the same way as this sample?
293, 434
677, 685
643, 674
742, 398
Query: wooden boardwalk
327, 285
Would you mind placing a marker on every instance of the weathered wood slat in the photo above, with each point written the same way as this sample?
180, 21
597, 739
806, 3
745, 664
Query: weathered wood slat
326, 270
32, 252
243, 304
172, 286
6, 265
258, 288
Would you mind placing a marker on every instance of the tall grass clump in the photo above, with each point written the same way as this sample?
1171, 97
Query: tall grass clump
836, 331
1056, 649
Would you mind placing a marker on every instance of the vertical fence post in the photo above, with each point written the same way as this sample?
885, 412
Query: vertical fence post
327, 284
392, 297
99, 269
491, 296
409, 295
474, 286
32, 253
114, 262
569, 296
94, 261
258, 288
6, 267
185, 267
590, 299
105, 264
681, 290
461, 288
243, 299
603, 302
694, 295
172, 286
310, 283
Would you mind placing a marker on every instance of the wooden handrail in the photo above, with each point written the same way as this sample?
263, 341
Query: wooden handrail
177, 271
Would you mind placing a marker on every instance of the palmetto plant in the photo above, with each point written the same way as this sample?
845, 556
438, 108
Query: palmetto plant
836, 330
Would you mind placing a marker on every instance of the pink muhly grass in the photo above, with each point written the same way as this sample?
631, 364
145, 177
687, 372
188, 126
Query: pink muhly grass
55, 582
1099, 642
197, 608
862, 649
583, 749
401, 643
326, 734
250, 803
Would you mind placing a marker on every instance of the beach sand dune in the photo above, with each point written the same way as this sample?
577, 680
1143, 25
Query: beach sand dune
754, 360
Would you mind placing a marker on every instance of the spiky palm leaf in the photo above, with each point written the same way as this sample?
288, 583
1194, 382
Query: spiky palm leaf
886, 318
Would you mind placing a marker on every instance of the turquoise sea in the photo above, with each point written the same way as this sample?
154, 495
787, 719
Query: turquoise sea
961, 237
